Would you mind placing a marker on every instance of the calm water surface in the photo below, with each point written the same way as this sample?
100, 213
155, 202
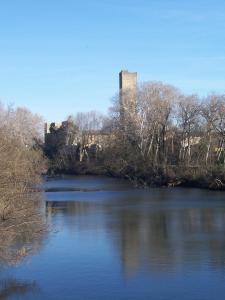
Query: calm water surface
112, 241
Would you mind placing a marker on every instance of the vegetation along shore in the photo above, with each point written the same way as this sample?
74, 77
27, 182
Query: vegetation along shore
153, 135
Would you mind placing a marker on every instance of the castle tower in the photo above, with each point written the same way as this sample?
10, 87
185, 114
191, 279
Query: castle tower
128, 92
127, 80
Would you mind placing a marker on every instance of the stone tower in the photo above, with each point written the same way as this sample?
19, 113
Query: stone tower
127, 80
128, 92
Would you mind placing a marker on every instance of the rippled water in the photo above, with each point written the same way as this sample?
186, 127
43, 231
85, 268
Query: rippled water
111, 241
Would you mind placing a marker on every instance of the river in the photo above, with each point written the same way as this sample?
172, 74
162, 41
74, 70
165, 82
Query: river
109, 240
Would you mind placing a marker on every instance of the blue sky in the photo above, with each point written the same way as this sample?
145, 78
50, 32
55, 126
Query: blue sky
63, 56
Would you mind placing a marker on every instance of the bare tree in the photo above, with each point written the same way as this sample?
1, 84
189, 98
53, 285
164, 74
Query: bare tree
210, 111
155, 108
21, 165
188, 112
89, 125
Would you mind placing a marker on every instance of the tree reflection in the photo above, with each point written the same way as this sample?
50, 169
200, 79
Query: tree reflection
165, 240
12, 287
158, 239
23, 231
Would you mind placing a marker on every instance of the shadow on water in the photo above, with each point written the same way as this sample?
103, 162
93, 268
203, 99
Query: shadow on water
11, 287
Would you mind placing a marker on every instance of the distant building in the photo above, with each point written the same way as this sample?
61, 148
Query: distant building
49, 125
65, 134
127, 80
128, 92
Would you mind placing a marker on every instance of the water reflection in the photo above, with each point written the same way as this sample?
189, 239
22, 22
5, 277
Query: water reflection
22, 234
116, 242
147, 234
12, 287
24, 231
165, 241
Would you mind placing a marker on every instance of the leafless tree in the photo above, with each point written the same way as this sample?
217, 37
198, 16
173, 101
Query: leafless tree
167, 130
21, 164
89, 125
188, 113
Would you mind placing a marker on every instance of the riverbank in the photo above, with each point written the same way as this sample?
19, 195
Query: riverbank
172, 176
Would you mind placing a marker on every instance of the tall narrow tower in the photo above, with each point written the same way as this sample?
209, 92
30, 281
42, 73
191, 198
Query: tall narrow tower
127, 80
128, 92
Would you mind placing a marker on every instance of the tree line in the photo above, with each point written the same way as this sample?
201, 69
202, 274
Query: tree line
169, 137
161, 137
